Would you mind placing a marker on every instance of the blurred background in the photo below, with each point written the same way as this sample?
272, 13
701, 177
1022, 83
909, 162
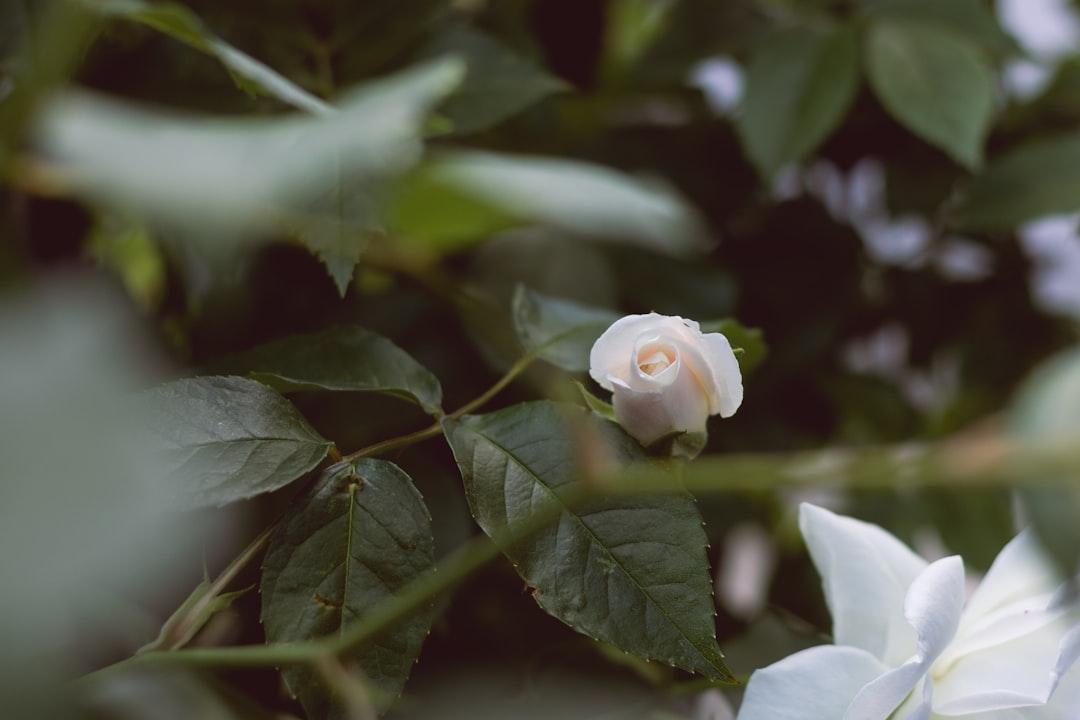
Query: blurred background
904, 254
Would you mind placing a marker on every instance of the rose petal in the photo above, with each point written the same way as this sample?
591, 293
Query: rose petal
1066, 698
726, 376
1019, 618
649, 345
1015, 674
932, 606
612, 354
1020, 570
650, 414
917, 706
865, 573
812, 684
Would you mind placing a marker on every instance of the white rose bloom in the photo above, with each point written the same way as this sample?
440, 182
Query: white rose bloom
665, 375
907, 648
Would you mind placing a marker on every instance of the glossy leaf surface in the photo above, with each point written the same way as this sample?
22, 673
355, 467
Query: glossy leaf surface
629, 571
225, 439
355, 540
347, 358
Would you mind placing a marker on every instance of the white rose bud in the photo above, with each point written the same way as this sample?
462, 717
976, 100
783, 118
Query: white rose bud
665, 375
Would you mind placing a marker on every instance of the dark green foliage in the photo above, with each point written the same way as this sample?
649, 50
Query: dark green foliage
225, 439
342, 359
356, 539
626, 570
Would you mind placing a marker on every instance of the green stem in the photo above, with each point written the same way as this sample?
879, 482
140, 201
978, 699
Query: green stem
984, 459
395, 443
351, 688
471, 556
436, 429
188, 618
519, 367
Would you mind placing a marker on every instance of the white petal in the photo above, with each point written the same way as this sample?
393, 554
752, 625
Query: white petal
1066, 698
932, 607
918, 703
651, 414
866, 573
813, 684
726, 375
1014, 674
712, 705
1021, 570
649, 344
1020, 617
612, 354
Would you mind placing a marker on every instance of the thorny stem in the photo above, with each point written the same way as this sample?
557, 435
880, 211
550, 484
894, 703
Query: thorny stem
183, 623
464, 561
436, 428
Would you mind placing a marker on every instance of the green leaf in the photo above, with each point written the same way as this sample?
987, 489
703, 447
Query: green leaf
604, 409
934, 82
751, 341
224, 439
359, 537
629, 571
497, 84
1046, 413
579, 198
338, 224
1059, 103
562, 330
320, 177
1037, 179
632, 27
86, 517
180, 23
800, 82
432, 216
345, 358
970, 18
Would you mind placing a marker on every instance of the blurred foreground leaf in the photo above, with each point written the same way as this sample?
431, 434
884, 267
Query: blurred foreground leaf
1034, 180
630, 571
158, 693
218, 179
85, 517
224, 439
1046, 412
566, 330
586, 200
345, 359
799, 84
498, 83
971, 19
180, 23
935, 83
359, 537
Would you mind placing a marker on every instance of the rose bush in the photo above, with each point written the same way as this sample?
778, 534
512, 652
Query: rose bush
665, 375
908, 648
